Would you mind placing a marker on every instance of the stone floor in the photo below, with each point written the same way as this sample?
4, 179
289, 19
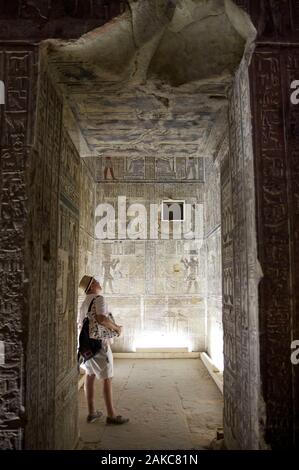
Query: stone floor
172, 404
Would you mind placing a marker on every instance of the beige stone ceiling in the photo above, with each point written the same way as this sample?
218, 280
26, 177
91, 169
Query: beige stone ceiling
154, 80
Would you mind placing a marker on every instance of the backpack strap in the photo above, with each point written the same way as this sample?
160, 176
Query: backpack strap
90, 305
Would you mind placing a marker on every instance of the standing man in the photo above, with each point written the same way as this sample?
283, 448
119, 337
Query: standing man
101, 365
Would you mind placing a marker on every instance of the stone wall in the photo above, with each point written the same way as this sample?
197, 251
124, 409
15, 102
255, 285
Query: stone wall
18, 71
61, 243
87, 218
276, 165
242, 405
42, 270
153, 296
274, 66
28, 221
213, 262
53, 241
65, 396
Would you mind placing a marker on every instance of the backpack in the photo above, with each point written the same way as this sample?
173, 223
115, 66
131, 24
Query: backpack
88, 347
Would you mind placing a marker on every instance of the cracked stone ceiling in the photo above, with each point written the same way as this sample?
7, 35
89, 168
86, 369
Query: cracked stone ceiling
154, 80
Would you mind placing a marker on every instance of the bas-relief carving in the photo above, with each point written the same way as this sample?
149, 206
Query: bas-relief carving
150, 269
16, 137
138, 168
214, 274
86, 249
66, 308
87, 200
43, 234
135, 167
292, 66
275, 70
44, 10
231, 403
212, 200
212, 256
51, 353
62, 277
241, 373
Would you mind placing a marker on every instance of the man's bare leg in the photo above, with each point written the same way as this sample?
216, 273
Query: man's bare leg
89, 393
108, 398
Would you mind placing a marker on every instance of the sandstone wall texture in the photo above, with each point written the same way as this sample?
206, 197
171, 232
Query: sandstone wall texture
276, 168
155, 288
212, 230
243, 404
87, 222
51, 400
30, 262
30, 204
19, 72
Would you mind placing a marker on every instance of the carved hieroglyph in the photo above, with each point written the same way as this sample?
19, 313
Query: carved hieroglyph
16, 124
242, 407
163, 277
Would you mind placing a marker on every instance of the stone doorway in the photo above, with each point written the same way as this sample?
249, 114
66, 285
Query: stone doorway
91, 121
43, 214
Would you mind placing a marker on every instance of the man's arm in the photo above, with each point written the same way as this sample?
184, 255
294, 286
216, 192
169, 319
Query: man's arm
104, 321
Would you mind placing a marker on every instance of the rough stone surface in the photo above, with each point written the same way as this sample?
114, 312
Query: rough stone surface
174, 34
151, 293
276, 166
53, 239
123, 120
40, 19
213, 261
241, 276
26, 208
61, 226
276, 22
171, 403
16, 124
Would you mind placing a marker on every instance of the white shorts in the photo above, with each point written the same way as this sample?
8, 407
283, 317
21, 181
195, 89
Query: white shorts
101, 365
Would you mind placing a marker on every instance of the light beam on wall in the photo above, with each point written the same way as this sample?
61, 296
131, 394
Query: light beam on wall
155, 340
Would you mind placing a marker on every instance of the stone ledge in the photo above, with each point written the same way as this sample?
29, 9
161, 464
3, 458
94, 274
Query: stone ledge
214, 372
158, 354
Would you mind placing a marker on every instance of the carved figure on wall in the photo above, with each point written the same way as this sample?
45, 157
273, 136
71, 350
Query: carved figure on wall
135, 167
176, 322
164, 167
108, 266
192, 267
271, 16
117, 272
108, 167
191, 170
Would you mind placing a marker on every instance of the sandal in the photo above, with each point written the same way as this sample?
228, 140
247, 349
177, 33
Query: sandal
92, 418
117, 420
